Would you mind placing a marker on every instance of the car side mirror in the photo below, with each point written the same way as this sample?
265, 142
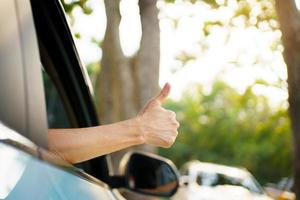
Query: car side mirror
147, 173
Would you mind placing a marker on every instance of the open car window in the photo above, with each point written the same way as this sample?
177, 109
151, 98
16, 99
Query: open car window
60, 60
56, 112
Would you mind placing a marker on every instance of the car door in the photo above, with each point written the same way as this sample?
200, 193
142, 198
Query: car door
22, 97
43, 85
34, 36
29, 172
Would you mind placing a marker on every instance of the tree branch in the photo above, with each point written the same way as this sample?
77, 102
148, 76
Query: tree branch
108, 85
288, 16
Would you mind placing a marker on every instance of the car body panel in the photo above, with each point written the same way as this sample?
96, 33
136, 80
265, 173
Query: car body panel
45, 180
21, 89
22, 106
29, 173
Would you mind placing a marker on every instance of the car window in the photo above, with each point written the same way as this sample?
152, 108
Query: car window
19, 170
56, 112
60, 60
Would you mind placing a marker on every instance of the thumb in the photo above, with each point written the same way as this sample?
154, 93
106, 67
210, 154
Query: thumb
158, 99
164, 93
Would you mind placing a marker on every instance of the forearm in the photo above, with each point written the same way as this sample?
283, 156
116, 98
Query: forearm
80, 144
154, 125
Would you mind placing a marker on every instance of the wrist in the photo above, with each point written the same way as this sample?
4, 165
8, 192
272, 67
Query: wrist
136, 129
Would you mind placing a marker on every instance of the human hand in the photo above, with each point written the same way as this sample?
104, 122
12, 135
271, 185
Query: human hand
158, 125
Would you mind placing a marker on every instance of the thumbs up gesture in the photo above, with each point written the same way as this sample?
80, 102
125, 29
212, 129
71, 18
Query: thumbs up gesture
158, 125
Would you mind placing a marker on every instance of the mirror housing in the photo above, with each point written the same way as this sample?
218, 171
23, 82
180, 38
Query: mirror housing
147, 173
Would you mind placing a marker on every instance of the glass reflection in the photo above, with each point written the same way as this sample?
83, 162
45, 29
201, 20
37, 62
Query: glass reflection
149, 175
25, 177
10, 161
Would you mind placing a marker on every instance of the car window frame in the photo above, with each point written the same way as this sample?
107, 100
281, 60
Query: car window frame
67, 72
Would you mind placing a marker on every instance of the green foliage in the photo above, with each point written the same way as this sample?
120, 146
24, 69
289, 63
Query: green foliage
244, 9
223, 126
93, 70
97, 42
208, 25
185, 57
258, 13
77, 35
212, 3
70, 5
169, 1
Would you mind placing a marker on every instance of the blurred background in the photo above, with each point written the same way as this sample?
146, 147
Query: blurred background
228, 63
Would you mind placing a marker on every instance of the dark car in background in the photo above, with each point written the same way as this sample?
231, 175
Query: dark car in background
44, 85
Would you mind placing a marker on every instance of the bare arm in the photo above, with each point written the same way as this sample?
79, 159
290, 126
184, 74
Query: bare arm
153, 125
80, 144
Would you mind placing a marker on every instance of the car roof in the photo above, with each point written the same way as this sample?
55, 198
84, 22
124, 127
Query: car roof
197, 166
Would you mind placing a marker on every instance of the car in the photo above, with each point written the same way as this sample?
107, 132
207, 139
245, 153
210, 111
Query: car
203, 180
284, 190
44, 85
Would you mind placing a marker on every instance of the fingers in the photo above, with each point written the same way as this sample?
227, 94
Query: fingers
176, 124
160, 125
171, 113
169, 139
165, 91
166, 140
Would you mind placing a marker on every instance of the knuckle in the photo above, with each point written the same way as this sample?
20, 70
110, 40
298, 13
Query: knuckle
172, 113
169, 141
168, 145
173, 124
166, 142
153, 103
175, 134
176, 123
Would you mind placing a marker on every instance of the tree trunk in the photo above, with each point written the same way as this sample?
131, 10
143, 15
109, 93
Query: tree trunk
125, 84
147, 59
289, 20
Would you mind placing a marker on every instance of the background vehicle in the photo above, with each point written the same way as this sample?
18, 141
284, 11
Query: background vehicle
283, 190
212, 181
43, 85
